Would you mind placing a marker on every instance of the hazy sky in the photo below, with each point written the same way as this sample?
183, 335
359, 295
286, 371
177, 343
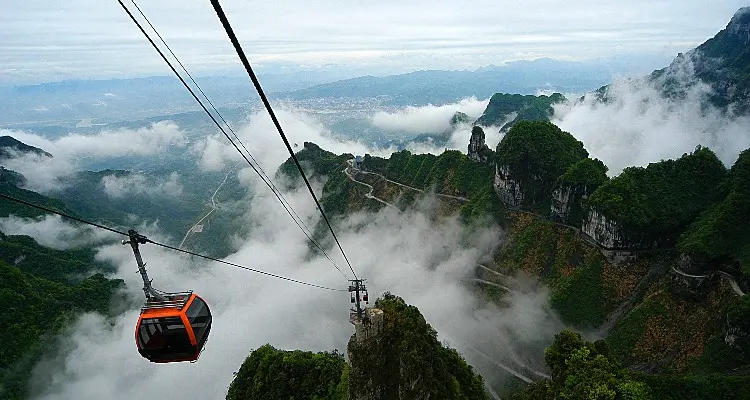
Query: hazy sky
43, 40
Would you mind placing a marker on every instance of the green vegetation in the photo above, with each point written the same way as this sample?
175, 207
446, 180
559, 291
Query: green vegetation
537, 153
62, 266
269, 373
581, 179
654, 204
410, 361
722, 233
451, 173
528, 107
315, 161
459, 118
9, 145
589, 173
583, 370
36, 308
8, 186
565, 263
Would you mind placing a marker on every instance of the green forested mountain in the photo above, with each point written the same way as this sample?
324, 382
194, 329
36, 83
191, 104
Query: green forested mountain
722, 233
655, 203
404, 360
527, 107
10, 145
536, 153
269, 373
42, 293
651, 320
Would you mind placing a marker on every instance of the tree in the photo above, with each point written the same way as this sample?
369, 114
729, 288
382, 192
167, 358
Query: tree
581, 370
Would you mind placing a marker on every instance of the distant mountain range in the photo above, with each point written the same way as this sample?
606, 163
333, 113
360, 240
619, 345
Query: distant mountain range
110, 100
9, 146
439, 87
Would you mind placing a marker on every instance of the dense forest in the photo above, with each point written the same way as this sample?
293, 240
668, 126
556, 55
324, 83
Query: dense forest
654, 204
526, 107
269, 373
43, 290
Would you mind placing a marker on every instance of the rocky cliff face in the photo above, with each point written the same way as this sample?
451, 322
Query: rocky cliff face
561, 203
722, 62
604, 231
477, 148
405, 360
508, 189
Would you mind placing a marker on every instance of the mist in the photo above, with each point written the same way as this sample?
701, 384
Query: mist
51, 231
429, 118
639, 125
406, 253
118, 187
45, 175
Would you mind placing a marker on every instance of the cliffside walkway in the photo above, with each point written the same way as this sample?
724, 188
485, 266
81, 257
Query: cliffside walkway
732, 282
369, 194
448, 196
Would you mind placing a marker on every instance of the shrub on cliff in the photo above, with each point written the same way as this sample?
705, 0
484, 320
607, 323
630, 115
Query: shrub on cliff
723, 232
657, 202
537, 153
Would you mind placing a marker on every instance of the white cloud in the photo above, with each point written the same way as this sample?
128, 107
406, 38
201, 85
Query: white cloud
52, 231
639, 126
429, 118
382, 34
260, 137
43, 174
117, 187
408, 254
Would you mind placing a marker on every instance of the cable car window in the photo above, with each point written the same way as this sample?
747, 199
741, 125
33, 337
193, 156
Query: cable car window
200, 318
160, 333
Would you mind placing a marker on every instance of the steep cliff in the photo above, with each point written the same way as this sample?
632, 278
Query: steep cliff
478, 150
530, 158
406, 361
574, 187
649, 207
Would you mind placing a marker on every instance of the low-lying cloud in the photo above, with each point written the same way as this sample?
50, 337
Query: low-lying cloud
121, 186
51, 231
44, 174
429, 118
407, 253
638, 125
260, 137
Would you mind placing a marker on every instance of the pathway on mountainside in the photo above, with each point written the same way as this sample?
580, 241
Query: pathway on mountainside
464, 199
213, 208
477, 280
501, 276
369, 194
733, 283
501, 365
627, 305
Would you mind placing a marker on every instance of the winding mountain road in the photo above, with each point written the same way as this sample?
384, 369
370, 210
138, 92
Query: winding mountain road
447, 196
368, 194
194, 228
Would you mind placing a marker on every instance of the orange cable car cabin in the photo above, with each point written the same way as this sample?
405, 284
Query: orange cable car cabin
174, 328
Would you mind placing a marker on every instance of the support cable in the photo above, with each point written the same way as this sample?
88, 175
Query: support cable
147, 240
267, 104
263, 176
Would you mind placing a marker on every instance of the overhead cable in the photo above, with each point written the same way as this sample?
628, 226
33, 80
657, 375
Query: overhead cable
267, 104
297, 219
83, 221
